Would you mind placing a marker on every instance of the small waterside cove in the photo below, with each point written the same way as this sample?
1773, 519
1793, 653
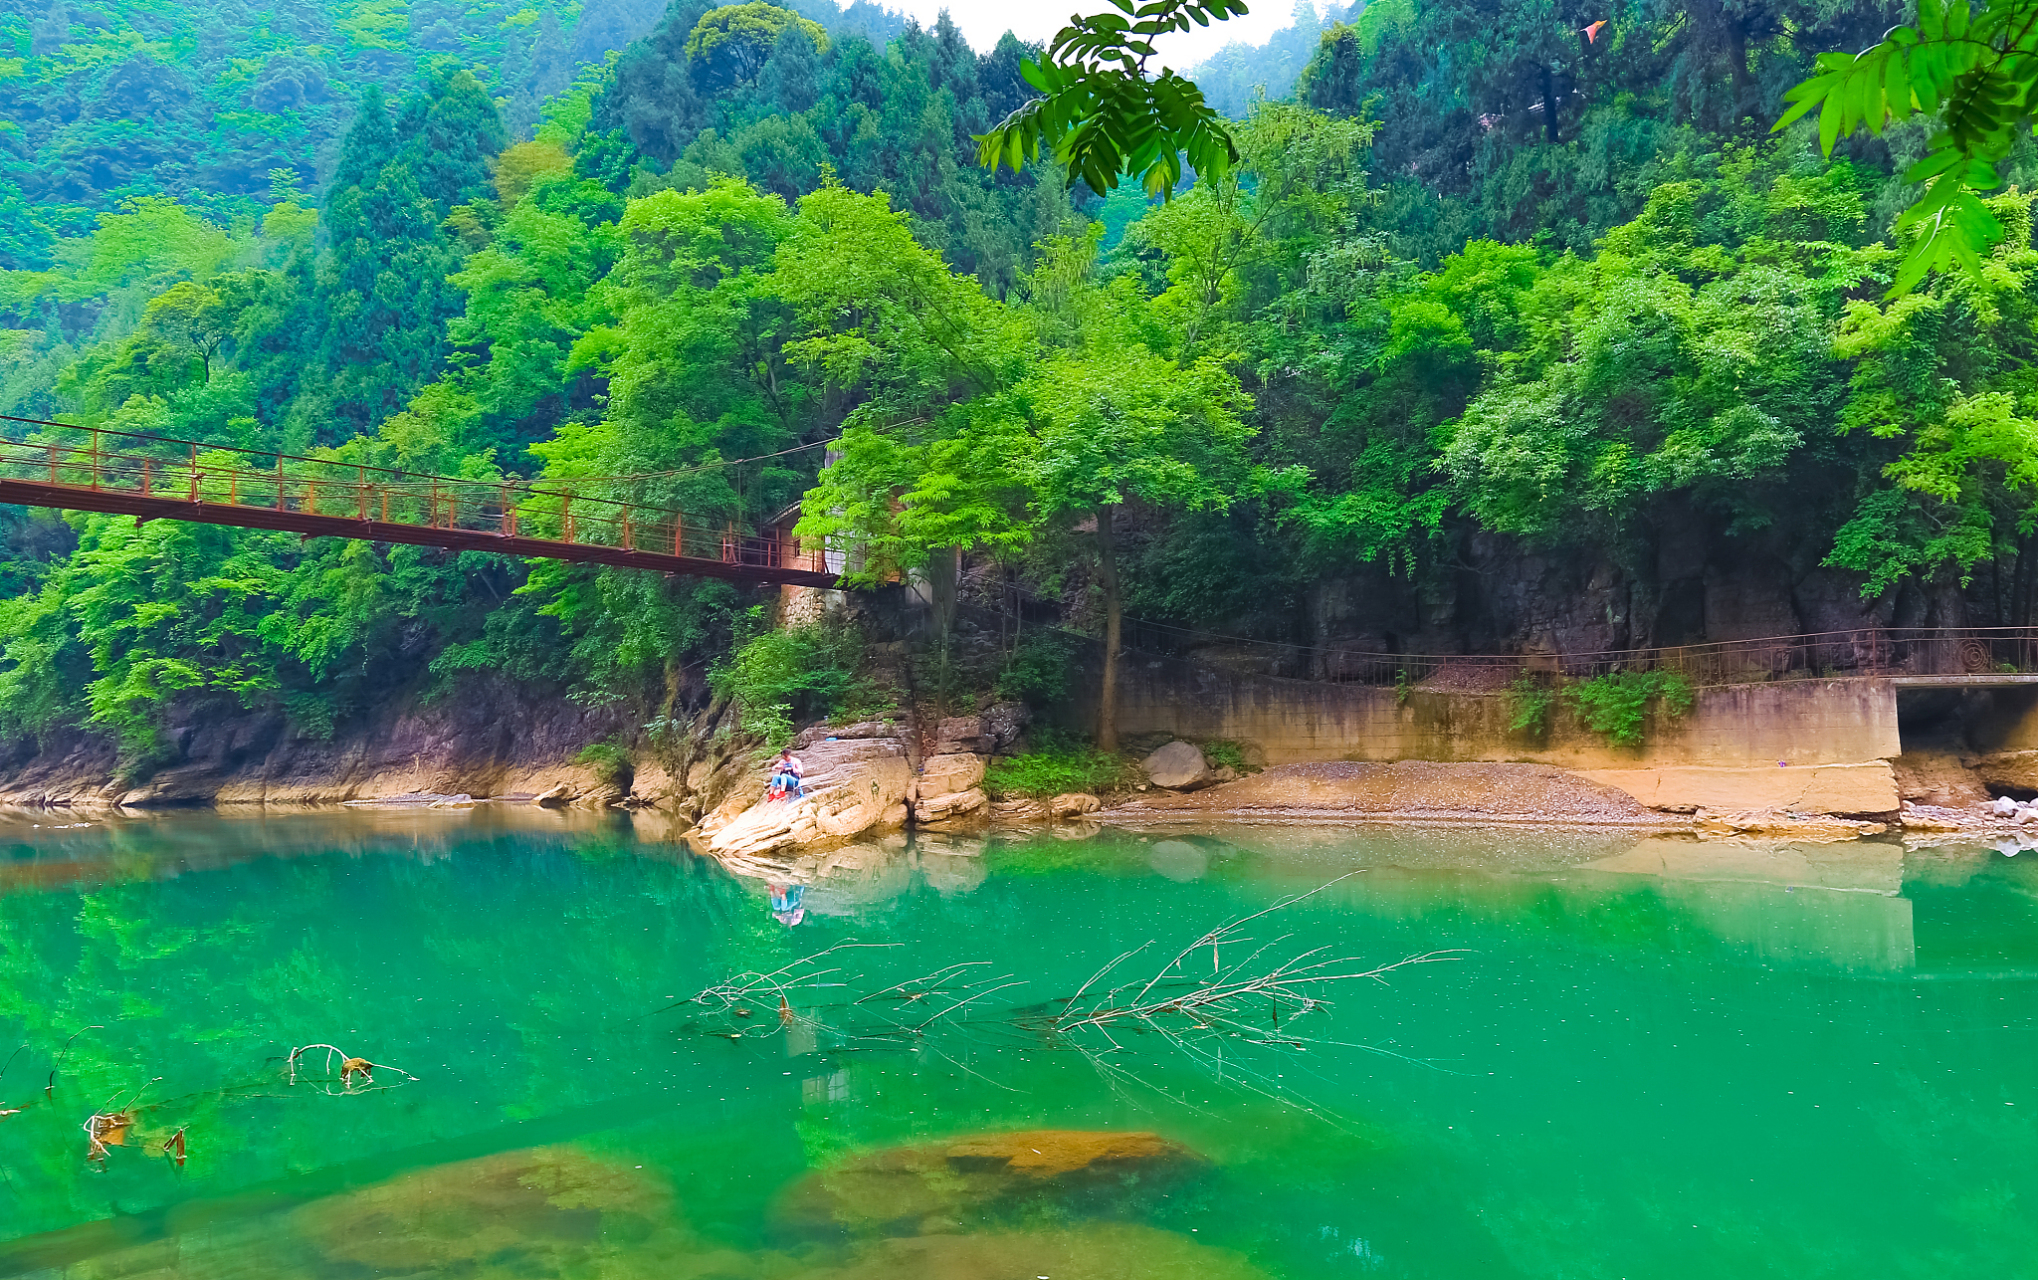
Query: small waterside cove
1649, 1056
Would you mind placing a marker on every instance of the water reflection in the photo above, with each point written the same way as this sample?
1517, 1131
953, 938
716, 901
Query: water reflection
1645, 1032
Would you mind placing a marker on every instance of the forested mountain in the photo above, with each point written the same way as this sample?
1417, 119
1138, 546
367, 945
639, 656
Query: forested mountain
1515, 329
1236, 74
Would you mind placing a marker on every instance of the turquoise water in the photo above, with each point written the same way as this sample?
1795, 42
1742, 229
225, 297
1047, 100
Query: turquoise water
1648, 1058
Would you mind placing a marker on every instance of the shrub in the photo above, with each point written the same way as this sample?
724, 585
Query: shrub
1038, 670
1224, 753
1528, 703
798, 673
1616, 706
611, 764
1055, 766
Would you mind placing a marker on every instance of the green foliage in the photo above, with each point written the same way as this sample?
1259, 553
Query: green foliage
1974, 71
1056, 766
732, 43
1227, 754
1102, 113
1618, 706
1474, 300
610, 762
783, 676
1037, 672
1528, 706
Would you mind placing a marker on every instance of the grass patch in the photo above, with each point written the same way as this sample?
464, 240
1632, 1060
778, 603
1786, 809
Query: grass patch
1224, 753
1057, 766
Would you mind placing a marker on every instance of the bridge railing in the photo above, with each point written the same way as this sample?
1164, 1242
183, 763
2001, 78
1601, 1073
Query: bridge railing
104, 461
1855, 653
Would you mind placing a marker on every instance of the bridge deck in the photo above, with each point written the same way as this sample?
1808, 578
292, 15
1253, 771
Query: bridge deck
70, 497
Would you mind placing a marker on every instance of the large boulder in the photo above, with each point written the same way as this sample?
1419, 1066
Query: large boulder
958, 735
893, 725
1004, 722
1177, 766
2009, 770
904, 1190
941, 775
849, 797
952, 804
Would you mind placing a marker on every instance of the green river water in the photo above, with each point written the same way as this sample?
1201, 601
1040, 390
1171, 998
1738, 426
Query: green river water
1648, 1058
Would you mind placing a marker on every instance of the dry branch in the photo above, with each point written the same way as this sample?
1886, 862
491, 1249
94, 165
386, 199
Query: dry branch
351, 1066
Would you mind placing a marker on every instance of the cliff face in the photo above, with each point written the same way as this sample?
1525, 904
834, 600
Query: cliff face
490, 737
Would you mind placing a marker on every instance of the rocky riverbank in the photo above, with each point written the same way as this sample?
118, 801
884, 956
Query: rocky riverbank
896, 770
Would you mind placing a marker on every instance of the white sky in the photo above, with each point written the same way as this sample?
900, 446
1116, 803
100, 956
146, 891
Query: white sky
983, 21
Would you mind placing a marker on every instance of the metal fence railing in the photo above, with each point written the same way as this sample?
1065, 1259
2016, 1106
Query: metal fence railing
99, 466
1863, 652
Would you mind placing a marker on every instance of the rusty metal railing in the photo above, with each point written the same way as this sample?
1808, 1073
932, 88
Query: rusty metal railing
103, 469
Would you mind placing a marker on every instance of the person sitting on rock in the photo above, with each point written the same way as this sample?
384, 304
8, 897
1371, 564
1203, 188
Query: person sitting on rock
785, 776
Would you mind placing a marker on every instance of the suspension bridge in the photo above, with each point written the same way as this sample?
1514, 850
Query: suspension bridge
159, 478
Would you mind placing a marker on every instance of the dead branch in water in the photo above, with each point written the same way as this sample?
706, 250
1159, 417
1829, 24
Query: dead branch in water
50, 1085
750, 986
350, 1068
1247, 999
110, 1124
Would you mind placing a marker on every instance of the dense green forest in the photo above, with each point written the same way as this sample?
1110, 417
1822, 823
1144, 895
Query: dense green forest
1504, 302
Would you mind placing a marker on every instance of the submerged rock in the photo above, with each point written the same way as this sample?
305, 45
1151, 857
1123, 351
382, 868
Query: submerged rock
544, 1211
902, 1190
1097, 1251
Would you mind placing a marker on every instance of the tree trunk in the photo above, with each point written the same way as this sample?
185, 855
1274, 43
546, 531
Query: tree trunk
941, 575
1114, 619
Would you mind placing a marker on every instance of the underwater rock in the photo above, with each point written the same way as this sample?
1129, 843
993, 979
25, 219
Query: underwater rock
1098, 1251
543, 1211
902, 1190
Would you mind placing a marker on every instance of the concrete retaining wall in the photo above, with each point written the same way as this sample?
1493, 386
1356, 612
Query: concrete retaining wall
1739, 746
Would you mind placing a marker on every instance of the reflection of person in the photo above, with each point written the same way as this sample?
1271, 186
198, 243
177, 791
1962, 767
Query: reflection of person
785, 776
785, 903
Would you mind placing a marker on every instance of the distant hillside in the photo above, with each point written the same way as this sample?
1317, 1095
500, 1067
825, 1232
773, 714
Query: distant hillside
232, 107
1232, 76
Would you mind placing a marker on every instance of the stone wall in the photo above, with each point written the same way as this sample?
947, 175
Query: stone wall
1816, 745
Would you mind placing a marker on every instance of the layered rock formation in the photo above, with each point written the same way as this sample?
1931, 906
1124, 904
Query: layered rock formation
857, 777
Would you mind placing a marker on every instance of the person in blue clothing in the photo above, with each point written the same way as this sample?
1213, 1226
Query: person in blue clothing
785, 903
785, 777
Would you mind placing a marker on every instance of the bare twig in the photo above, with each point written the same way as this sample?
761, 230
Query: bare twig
50, 1085
351, 1067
